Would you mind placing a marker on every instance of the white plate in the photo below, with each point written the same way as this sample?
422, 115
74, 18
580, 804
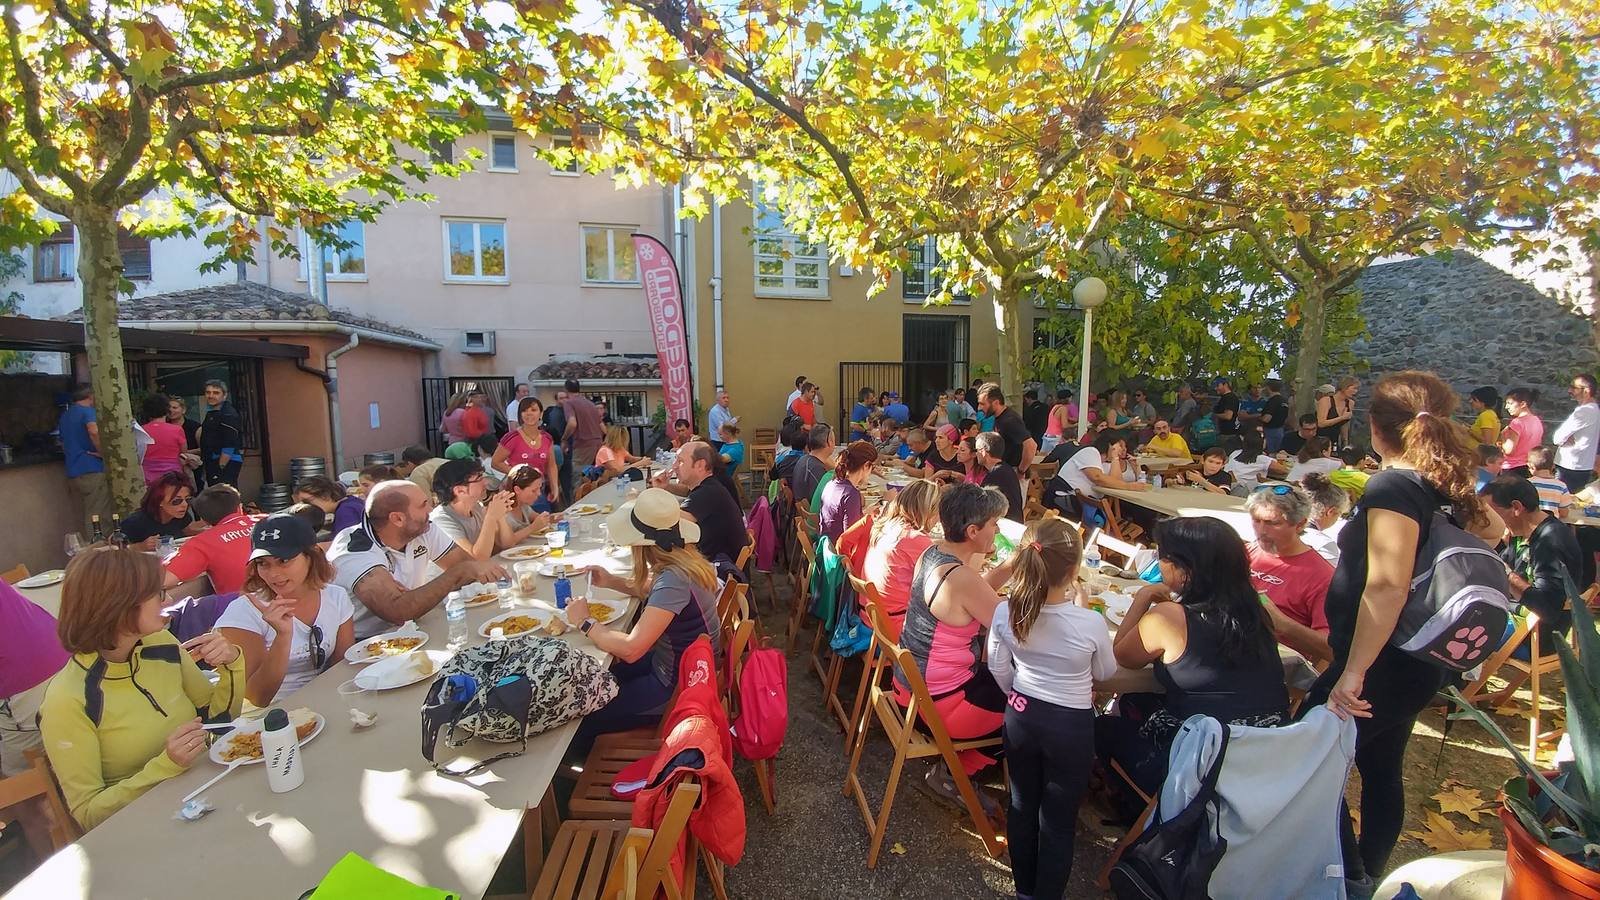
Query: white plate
358, 651
542, 616
551, 567
479, 594
519, 554
1117, 605
614, 608
43, 579
583, 509
399, 671
249, 725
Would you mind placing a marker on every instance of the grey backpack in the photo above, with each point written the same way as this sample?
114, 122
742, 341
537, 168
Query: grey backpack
506, 691
1455, 611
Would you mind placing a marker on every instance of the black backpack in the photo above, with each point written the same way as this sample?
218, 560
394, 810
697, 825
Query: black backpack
1173, 860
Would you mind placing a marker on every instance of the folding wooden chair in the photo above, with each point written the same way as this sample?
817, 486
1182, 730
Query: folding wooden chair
15, 574
33, 799
900, 727
615, 861
1541, 660
801, 578
1150, 801
1111, 510
871, 666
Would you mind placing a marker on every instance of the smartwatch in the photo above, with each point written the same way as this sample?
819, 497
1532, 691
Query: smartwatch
587, 624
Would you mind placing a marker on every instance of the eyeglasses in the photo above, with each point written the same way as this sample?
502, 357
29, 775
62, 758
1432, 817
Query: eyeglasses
319, 656
1279, 489
179, 501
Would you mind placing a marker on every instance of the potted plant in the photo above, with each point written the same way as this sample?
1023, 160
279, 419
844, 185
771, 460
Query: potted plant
1552, 818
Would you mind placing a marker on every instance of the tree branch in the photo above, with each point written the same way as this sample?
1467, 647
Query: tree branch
219, 179
1277, 260
94, 36
308, 42
32, 103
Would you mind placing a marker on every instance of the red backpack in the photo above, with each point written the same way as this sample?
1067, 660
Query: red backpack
763, 704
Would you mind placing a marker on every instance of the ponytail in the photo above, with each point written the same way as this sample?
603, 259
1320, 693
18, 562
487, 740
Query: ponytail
1411, 410
1048, 556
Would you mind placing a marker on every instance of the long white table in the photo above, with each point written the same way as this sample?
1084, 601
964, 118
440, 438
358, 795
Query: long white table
368, 791
1190, 501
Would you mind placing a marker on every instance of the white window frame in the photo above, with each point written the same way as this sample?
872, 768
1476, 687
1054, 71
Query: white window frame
790, 257
499, 136
611, 261
307, 250
477, 250
930, 278
556, 142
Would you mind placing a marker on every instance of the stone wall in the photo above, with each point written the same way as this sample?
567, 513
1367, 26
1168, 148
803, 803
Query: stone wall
1475, 325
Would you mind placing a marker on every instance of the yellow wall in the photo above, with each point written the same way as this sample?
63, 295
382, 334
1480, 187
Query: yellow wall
768, 341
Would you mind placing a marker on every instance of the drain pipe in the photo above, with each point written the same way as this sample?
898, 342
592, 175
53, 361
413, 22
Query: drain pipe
332, 384
716, 289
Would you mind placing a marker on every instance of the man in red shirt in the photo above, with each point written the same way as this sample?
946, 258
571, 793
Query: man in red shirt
220, 551
1291, 575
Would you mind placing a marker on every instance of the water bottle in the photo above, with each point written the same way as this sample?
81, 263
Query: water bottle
1157, 481
455, 614
563, 589
1091, 554
280, 748
503, 586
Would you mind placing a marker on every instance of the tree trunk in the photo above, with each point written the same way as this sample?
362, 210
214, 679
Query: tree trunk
1015, 350
1313, 315
100, 270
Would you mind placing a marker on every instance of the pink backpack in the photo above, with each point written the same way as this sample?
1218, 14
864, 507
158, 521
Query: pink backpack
763, 704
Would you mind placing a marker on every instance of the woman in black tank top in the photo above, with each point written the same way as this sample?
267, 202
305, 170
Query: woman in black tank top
1208, 619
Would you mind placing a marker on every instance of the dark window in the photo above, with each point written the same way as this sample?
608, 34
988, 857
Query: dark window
503, 152
135, 253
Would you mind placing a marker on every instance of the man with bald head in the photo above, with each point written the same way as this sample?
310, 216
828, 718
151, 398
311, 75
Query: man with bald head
383, 560
713, 502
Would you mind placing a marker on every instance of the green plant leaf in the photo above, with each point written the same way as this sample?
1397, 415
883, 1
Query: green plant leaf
1583, 706
1570, 805
1521, 806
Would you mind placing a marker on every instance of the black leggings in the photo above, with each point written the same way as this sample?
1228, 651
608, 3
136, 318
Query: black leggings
1399, 687
1049, 751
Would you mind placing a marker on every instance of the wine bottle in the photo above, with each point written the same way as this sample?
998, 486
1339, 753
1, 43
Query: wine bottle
98, 532
119, 538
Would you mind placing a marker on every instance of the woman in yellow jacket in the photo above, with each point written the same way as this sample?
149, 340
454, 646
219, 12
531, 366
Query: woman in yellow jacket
124, 714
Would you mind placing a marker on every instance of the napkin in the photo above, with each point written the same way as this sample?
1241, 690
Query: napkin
353, 878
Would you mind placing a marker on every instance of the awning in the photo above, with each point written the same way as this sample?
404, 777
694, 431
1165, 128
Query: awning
52, 336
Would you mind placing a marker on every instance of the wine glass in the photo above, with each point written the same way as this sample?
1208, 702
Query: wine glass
73, 543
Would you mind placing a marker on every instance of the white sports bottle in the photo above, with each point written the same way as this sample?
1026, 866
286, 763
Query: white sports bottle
280, 748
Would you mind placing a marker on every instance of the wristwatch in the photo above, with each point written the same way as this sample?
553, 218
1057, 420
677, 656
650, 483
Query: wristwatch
587, 624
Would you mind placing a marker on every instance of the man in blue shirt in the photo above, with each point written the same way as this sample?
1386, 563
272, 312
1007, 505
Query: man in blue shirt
859, 414
897, 410
86, 471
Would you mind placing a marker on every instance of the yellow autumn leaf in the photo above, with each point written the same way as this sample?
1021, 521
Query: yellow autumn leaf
813, 32
1148, 145
1462, 800
1442, 835
898, 849
1300, 222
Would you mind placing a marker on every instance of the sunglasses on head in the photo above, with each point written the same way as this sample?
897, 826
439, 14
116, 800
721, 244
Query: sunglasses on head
1279, 489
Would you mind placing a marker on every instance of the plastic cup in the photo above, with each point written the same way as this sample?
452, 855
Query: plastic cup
527, 578
557, 541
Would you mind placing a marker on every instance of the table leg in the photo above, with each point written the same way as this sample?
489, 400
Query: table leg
538, 821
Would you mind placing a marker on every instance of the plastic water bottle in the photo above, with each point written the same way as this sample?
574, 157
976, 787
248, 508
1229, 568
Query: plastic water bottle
1157, 481
280, 750
563, 589
1091, 555
455, 614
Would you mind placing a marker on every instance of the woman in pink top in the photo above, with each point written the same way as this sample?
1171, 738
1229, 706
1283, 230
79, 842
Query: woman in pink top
950, 604
972, 471
164, 454
899, 538
529, 445
30, 653
453, 427
1522, 433
1063, 416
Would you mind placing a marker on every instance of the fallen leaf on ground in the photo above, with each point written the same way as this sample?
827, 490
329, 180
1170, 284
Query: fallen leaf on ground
1355, 819
898, 849
1463, 800
1442, 835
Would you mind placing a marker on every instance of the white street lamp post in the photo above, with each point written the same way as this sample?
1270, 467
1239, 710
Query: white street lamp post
1087, 293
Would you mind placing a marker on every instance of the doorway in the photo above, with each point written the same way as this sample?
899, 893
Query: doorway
935, 358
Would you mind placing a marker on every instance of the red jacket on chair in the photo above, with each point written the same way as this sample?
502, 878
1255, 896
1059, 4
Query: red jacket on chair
854, 542
696, 743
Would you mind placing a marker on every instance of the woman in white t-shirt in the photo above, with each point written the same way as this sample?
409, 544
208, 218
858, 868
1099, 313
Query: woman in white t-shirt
291, 621
1314, 458
1046, 651
1250, 465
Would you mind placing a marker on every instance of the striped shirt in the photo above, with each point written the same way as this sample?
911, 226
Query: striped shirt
1553, 496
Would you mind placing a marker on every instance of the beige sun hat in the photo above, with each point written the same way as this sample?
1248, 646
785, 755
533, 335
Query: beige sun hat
654, 518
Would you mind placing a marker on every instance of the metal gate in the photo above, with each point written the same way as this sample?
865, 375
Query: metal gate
436, 394
934, 361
